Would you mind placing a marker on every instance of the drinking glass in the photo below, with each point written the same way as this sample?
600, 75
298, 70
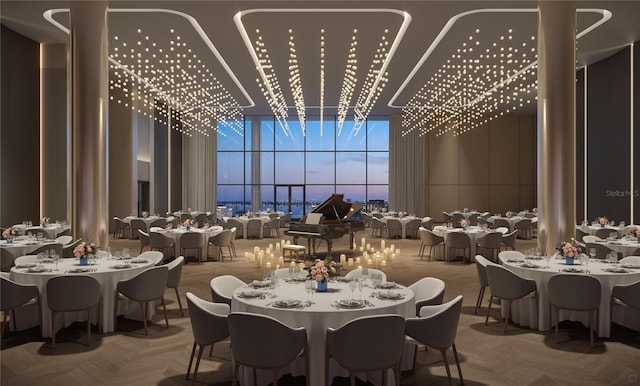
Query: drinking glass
308, 286
352, 287
592, 253
360, 282
274, 283
547, 258
54, 255
108, 250
585, 262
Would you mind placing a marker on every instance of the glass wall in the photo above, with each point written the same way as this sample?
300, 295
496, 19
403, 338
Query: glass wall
324, 159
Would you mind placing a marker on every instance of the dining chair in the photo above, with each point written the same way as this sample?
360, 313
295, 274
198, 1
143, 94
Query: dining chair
501, 223
48, 247
447, 217
483, 221
137, 223
232, 243
428, 291
147, 286
6, 260
15, 295
394, 228
36, 233
429, 239
72, 294
481, 269
576, 293
200, 219
378, 227
524, 228
590, 239
252, 347
233, 223
580, 234
271, 228
473, 218
174, 276
436, 327
605, 233
625, 295
64, 239
222, 288
160, 242
144, 240
191, 241
511, 255
411, 228
184, 217
602, 251
454, 241
119, 227
285, 220
508, 286
631, 259
209, 326
352, 346
509, 240
219, 241
427, 223
254, 228
366, 273
491, 243
457, 218
159, 222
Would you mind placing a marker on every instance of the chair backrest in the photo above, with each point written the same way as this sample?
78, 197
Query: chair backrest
184, 217
145, 286
457, 240
257, 340
504, 230
118, 223
222, 239
200, 219
156, 256
523, 224
580, 234
64, 239
628, 294
601, 250
481, 268
254, 227
191, 240
428, 291
73, 293
427, 223
144, 237
137, 223
447, 217
437, 325
222, 288
175, 272
393, 223
352, 345
508, 285
605, 233
511, 255
159, 241
634, 260
457, 217
573, 292
590, 239
429, 238
510, 239
67, 250
13, 295
159, 222
366, 272
232, 222
491, 240
6, 260
208, 320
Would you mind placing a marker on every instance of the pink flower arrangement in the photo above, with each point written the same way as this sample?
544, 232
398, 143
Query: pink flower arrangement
9, 232
188, 222
464, 223
603, 220
569, 250
322, 271
638, 232
145, 214
84, 249
45, 220
511, 214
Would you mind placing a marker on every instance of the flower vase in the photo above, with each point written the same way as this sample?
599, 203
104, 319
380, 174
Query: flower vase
638, 239
322, 285
188, 228
84, 260
464, 228
10, 239
568, 260
601, 225
44, 225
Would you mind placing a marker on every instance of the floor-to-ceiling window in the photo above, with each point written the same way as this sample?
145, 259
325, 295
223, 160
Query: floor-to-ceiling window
295, 169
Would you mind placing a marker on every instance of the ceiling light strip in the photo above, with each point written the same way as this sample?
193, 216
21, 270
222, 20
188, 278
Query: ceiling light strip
349, 82
295, 83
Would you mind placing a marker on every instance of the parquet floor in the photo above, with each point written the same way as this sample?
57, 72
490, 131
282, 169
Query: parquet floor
488, 356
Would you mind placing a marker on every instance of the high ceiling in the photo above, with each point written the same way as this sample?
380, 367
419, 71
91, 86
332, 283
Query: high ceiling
313, 58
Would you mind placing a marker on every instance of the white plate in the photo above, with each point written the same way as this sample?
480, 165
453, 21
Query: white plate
121, 266
260, 283
27, 265
38, 269
630, 265
287, 303
250, 294
350, 303
79, 270
390, 295
138, 261
573, 270
387, 285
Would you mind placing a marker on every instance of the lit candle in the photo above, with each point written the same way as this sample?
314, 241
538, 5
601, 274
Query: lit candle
268, 264
361, 249
393, 247
354, 244
383, 263
382, 244
363, 242
278, 266
398, 252
343, 259
358, 261
281, 260
351, 262
270, 245
393, 256
369, 262
293, 264
277, 247
368, 246
268, 251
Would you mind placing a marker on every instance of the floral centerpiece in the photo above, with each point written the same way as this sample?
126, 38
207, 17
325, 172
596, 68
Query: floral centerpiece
268, 210
9, 234
534, 210
44, 221
638, 234
464, 223
569, 251
83, 250
145, 214
188, 223
511, 214
321, 271
603, 221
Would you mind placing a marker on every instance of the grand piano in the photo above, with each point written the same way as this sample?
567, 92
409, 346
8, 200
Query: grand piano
329, 220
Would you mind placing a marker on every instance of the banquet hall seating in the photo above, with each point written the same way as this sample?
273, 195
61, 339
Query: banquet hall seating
173, 221
580, 234
428, 291
490, 244
209, 326
144, 239
501, 223
508, 286
147, 286
576, 293
353, 348
252, 347
48, 247
605, 233
232, 243
602, 251
72, 294
271, 228
254, 228
509, 240
200, 219
436, 327
427, 223
162, 243
378, 227
411, 228
137, 223
429, 239
631, 259
481, 269
6, 260
184, 217
36, 233
626, 294
219, 241
447, 217
64, 240
394, 228
457, 218
366, 273
190, 241
67, 250
222, 288
15, 295
174, 276
483, 221
473, 219
285, 220
159, 222
525, 229
454, 241
530, 214
233, 223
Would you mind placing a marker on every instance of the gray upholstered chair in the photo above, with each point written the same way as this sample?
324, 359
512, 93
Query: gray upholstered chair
427, 223
473, 219
625, 294
437, 327
64, 240
184, 217
429, 239
233, 223
144, 239
457, 240
601, 250
48, 247
190, 241
366, 273
490, 243
252, 347
501, 223
72, 294
285, 220
162, 243
457, 218
119, 227
411, 228
146, 286
447, 217
509, 240
254, 228
428, 291
6, 260
222, 288
137, 223
209, 326
378, 227
605, 233
508, 286
353, 349
219, 241
271, 228
394, 228
200, 219
524, 228
15, 295
67, 250
576, 293
159, 222
174, 276
483, 221
580, 234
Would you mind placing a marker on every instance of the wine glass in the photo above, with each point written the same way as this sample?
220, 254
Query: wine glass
360, 282
54, 256
585, 262
274, 282
352, 287
592, 253
547, 258
308, 286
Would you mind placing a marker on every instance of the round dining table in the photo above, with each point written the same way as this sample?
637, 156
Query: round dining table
23, 245
473, 232
51, 231
107, 270
523, 311
323, 312
625, 246
176, 233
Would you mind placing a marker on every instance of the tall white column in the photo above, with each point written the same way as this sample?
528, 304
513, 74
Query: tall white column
556, 122
89, 112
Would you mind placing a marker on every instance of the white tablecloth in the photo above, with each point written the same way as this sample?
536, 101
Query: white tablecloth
591, 229
524, 313
104, 273
403, 221
473, 232
320, 316
244, 220
23, 246
51, 231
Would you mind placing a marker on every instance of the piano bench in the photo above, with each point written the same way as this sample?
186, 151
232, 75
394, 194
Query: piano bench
293, 248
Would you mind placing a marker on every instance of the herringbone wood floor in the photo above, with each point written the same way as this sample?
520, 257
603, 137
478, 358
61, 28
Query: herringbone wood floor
488, 356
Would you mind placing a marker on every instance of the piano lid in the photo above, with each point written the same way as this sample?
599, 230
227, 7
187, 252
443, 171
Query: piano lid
333, 207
